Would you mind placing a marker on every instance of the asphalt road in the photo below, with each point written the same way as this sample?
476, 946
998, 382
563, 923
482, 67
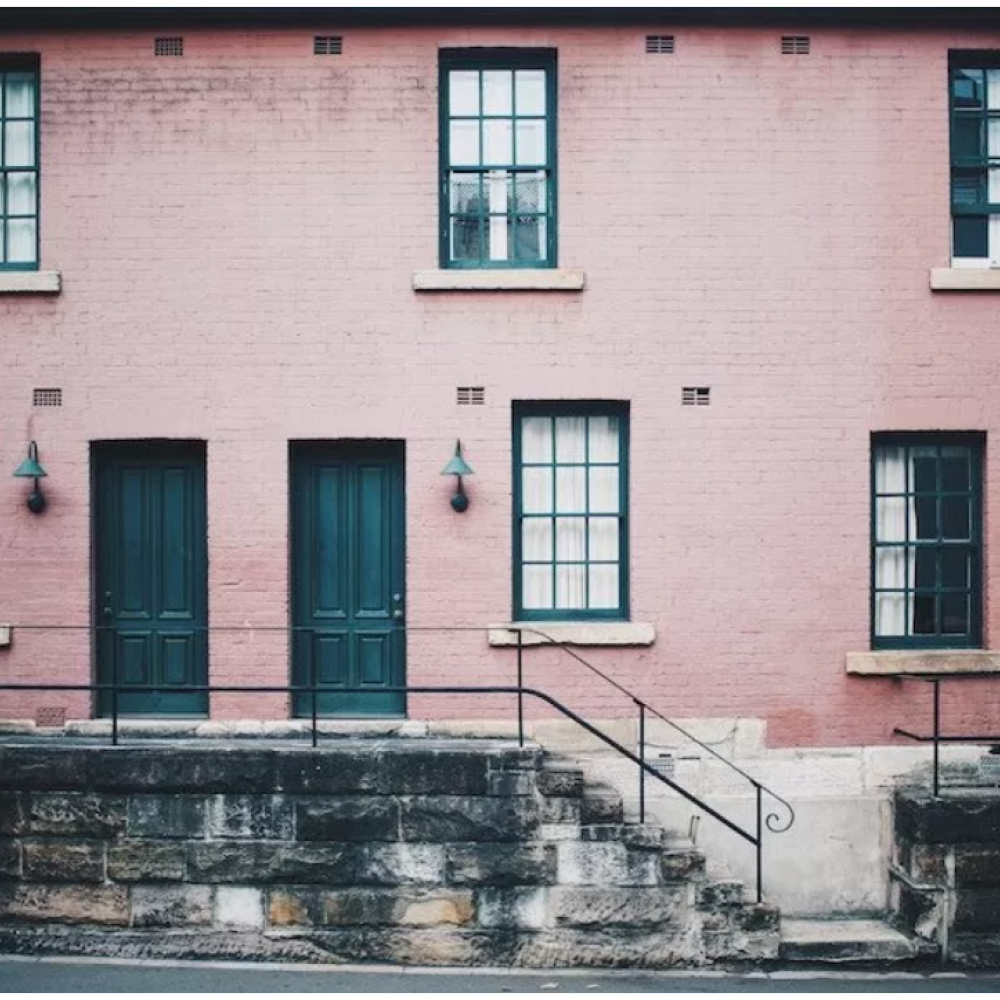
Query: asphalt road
32, 975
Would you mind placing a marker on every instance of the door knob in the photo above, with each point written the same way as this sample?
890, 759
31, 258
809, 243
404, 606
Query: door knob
107, 610
398, 614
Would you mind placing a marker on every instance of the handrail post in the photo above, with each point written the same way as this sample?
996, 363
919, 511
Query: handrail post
642, 758
937, 735
760, 842
520, 688
313, 698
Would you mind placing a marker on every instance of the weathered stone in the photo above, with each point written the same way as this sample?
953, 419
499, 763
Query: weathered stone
720, 893
740, 946
146, 861
348, 819
560, 810
608, 948
606, 865
10, 860
632, 834
266, 862
181, 769
514, 908
977, 909
171, 906
606, 907
432, 772
448, 818
369, 907
511, 783
400, 864
923, 819
304, 771
250, 817
680, 864
561, 782
43, 767
601, 807
10, 814
976, 866
290, 908
70, 904
928, 863
166, 817
501, 865
241, 908
63, 861
82, 814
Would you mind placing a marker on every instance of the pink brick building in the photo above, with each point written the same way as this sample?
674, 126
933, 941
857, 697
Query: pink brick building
709, 303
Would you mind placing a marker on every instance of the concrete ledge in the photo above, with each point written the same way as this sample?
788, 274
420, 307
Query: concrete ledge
574, 634
938, 661
30, 282
960, 279
527, 280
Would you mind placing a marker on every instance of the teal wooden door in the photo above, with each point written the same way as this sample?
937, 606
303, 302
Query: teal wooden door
348, 563
151, 577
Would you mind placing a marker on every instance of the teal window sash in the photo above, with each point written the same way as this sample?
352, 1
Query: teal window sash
588, 513
20, 193
483, 197
923, 562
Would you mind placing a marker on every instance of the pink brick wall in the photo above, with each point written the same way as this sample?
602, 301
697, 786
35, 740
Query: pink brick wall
237, 232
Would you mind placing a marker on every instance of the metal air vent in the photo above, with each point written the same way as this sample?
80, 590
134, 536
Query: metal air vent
696, 395
47, 397
328, 45
795, 45
173, 46
471, 395
659, 45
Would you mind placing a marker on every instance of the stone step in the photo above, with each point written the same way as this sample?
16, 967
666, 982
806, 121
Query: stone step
844, 941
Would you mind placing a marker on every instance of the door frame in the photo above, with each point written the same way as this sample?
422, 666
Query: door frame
98, 448
397, 448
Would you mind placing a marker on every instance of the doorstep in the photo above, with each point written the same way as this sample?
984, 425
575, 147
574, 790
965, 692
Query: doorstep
844, 941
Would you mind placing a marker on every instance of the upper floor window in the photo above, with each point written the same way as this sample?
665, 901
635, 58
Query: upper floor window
18, 162
498, 158
975, 158
927, 540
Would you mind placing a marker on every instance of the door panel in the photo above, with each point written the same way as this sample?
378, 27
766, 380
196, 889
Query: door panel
348, 559
151, 575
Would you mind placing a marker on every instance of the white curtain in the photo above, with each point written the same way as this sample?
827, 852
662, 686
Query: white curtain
895, 521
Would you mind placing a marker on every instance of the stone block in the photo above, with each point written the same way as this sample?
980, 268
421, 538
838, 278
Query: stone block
973, 819
400, 864
720, 893
239, 908
41, 767
560, 782
181, 769
679, 864
927, 862
459, 819
10, 860
357, 907
348, 819
606, 865
146, 861
511, 783
267, 862
66, 814
605, 907
166, 817
611, 948
171, 906
976, 866
601, 808
512, 908
67, 904
11, 823
560, 810
977, 909
304, 771
63, 861
501, 865
429, 771
632, 834
250, 817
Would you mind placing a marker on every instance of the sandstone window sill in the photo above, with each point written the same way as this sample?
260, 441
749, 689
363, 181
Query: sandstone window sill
965, 279
940, 662
30, 282
573, 634
527, 280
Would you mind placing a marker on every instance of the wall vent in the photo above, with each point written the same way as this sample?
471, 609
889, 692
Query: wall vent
50, 716
328, 45
471, 395
696, 395
795, 45
47, 397
659, 45
173, 46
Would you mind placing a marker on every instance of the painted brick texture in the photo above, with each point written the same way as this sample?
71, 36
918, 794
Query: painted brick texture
237, 232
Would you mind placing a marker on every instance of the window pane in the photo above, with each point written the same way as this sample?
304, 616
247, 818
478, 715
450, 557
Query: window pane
463, 147
924, 615
571, 490
536, 587
891, 519
536, 439
571, 539
893, 568
498, 92
3, 242
21, 194
992, 89
993, 137
604, 588
967, 138
19, 144
955, 469
955, 565
604, 539
604, 490
955, 614
927, 518
21, 236
604, 439
537, 498
529, 193
536, 539
967, 88
466, 239
526, 236
465, 193
531, 142
498, 141
924, 470
891, 615
890, 470
971, 236
955, 518
968, 187
20, 95
571, 439
463, 92
530, 92
926, 562
571, 587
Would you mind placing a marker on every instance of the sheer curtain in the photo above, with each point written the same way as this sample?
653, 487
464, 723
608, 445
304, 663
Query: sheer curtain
895, 521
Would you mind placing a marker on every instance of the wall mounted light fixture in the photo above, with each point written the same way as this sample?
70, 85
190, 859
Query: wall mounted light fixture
31, 468
458, 467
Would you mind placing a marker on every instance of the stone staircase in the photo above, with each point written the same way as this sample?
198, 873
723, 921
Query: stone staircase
424, 852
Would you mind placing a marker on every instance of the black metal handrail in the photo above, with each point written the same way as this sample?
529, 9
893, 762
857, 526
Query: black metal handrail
773, 822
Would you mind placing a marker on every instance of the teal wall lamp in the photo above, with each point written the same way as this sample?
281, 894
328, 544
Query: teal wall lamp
31, 468
458, 467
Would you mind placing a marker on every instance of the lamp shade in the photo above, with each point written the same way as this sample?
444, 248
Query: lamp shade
31, 468
458, 465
